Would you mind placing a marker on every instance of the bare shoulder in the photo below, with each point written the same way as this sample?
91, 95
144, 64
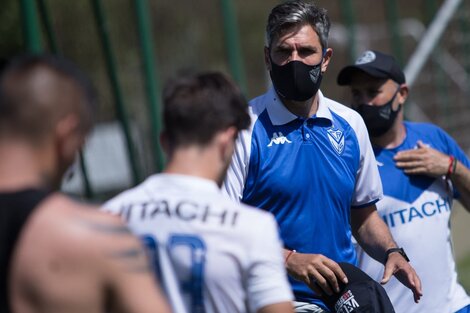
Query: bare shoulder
79, 230
75, 219
70, 252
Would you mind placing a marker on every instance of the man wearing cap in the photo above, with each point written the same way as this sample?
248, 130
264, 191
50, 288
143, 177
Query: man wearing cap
422, 170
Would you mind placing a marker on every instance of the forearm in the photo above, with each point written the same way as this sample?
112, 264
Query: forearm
461, 180
372, 233
375, 238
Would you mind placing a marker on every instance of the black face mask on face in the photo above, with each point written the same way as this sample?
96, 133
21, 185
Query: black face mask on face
296, 80
379, 119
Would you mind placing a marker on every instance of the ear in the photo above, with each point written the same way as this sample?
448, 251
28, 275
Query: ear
403, 93
267, 59
69, 140
326, 59
226, 141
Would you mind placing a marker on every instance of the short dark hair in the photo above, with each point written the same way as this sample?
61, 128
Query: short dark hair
22, 107
294, 14
197, 106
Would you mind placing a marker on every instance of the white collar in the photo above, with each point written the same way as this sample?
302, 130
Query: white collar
187, 181
280, 115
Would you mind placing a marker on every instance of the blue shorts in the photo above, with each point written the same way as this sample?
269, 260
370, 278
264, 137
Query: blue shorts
464, 309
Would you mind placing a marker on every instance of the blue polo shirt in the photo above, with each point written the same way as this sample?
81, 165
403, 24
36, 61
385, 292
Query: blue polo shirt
309, 173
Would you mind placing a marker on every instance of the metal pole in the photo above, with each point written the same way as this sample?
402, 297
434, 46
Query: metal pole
347, 11
152, 83
46, 20
86, 180
443, 99
430, 39
391, 12
31, 31
112, 74
232, 44
465, 29
52, 40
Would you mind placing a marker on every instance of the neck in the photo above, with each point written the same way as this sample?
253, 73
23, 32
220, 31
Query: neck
21, 167
303, 109
392, 138
195, 161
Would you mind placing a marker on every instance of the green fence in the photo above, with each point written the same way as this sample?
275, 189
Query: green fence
131, 46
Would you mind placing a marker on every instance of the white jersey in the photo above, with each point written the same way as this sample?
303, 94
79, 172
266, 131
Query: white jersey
211, 255
417, 210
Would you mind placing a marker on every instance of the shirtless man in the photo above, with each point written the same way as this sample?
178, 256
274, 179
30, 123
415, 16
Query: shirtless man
57, 255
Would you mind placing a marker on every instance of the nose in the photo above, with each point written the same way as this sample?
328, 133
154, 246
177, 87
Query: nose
294, 56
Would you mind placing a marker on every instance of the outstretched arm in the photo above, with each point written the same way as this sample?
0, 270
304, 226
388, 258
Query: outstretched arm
375, 238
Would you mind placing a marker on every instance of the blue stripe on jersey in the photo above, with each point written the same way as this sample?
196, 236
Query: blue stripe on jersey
296, 173
429, 134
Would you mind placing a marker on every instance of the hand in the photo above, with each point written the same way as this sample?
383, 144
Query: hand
396, 265
424, 161
320, 273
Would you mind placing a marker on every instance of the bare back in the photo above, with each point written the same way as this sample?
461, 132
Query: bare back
72, 258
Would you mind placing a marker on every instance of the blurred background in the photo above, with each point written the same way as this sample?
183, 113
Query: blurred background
131, 47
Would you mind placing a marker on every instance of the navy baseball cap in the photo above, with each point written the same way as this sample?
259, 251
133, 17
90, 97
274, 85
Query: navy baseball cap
361, 294
374, 63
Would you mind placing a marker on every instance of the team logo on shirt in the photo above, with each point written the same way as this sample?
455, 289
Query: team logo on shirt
336, 138
278, 139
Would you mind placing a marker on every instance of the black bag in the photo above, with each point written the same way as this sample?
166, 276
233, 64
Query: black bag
361, 294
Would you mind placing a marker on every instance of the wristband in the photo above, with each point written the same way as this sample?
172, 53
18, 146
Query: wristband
291, 252
452, 166
399, 250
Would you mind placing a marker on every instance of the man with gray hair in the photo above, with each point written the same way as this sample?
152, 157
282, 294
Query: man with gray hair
308, 160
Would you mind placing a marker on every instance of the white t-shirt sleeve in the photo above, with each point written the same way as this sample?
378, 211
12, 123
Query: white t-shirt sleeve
238, 170
368, 188
112, 206
267, 278
120, 204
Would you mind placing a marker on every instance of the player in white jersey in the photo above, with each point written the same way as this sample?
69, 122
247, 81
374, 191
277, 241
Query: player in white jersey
422, 170
211, 254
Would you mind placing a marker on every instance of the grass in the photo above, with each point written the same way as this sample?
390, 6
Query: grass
463, 267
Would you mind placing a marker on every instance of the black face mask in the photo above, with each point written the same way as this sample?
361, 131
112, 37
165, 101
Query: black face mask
379, 119
296, 80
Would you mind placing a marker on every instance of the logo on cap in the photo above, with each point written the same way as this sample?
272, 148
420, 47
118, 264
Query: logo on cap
366, 57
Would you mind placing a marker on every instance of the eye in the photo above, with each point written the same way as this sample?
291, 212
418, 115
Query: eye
283, 51
356, 95
372, 93
306, 51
